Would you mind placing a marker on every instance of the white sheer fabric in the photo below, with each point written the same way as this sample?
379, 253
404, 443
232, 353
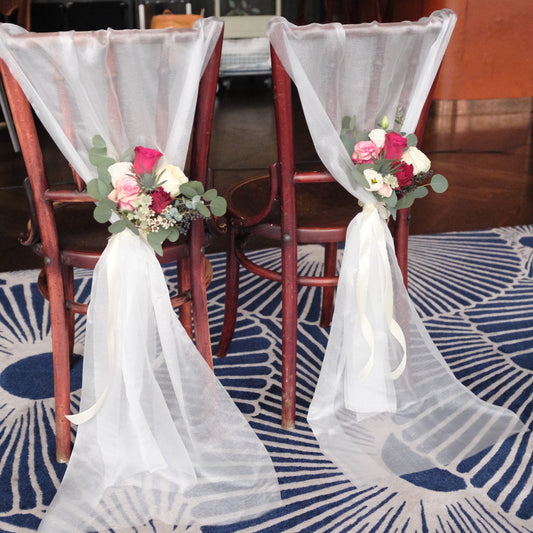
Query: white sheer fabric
167, 444
373, 416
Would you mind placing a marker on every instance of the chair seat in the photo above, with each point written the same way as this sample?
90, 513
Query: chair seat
335, 206
82, 240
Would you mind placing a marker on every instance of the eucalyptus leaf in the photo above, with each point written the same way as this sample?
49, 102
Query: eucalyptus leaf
104, 176
203, 210
102, 212
100, 159
158, 248
93, 188
406, 200
104, 188
108, 203
361, 136
198, 186
131, 226
348, 123
391, 201
160, 235
411, 139
156, 239
420, 192
174, 234
192, 189
348, 141
98, 142
439, 183
210, 195
219, 206
118, 226
359, 178
128, 155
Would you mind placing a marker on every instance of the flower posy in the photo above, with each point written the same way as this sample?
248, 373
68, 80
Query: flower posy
389, 164
159, 202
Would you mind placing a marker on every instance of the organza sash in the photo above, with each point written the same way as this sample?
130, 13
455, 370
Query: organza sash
160, 440
386, 402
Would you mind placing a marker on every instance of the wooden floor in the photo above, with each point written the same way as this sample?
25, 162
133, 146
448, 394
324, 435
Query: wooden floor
482, 147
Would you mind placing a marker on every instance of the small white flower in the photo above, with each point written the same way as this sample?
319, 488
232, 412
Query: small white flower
392, 180
374, 179
377, 136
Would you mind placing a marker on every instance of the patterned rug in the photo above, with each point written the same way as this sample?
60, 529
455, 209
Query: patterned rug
474, 291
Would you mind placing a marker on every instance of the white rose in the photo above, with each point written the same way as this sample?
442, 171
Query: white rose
171, 178
419, 160
119, 170
374, 179
377, 136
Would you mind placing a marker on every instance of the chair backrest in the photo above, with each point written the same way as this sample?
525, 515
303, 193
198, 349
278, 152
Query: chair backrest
131, 87
367, 71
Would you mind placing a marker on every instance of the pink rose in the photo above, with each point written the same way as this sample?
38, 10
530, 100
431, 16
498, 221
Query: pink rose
394, 145
145, 159
364, 152
126, 190
160, 200
404, 174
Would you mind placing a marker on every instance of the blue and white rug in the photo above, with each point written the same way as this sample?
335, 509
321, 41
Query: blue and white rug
474, 291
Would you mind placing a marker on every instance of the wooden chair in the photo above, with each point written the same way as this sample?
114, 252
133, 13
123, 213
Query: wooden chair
65, 245
293, 207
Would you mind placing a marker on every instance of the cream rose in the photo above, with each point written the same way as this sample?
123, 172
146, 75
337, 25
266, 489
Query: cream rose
419, 160
171, 178
377, 136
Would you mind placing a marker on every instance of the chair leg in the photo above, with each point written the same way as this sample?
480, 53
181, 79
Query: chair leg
290, 333
199, 294
328, 293
61, 341
68, 287
231, 301
184, 284
401, 240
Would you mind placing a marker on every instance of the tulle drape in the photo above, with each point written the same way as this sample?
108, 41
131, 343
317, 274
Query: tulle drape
386, 402
162, 441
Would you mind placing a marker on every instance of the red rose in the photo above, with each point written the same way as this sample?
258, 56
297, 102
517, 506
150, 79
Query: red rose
404, 174
394, 146
145, 159
160, 199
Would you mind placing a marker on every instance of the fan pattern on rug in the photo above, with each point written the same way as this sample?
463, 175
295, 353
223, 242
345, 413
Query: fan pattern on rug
474, 291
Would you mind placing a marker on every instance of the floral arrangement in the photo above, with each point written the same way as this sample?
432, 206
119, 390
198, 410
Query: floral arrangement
389, 164
158, 202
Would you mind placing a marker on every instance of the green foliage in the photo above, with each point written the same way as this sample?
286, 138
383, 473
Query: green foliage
157, 238
411, 139
192, 189
219, 206
103, 210
439, 183
402, 197
193, 202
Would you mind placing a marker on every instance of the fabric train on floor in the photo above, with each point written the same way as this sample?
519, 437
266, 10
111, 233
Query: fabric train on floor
473, 292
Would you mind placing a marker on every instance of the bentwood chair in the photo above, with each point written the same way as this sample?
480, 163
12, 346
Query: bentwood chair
292, 207
63, 232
